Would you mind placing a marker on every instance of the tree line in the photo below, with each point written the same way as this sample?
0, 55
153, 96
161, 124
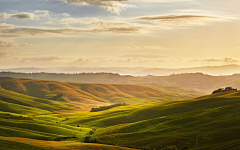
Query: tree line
101, 108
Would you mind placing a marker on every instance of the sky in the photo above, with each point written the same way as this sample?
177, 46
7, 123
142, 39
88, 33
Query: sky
119, 33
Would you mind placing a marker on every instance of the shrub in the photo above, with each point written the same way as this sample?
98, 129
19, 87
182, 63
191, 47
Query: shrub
107, 107
91, 132
87, 139
145, 148
170, 148
94, 128
90, 139
17, 117
184, 148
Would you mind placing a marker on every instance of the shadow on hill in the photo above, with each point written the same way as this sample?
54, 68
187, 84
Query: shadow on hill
9, 100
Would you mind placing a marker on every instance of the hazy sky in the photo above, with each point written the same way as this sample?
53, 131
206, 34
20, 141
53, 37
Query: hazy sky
119, 33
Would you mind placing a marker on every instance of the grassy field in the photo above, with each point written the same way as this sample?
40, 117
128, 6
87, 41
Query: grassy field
9, 143
89, 95
207, 122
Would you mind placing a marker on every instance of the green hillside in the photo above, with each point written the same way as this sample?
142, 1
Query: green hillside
176, 83
209, 121
9, 143
22, 104
84, 95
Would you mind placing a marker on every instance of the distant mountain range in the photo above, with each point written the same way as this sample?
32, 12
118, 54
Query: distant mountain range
138, 71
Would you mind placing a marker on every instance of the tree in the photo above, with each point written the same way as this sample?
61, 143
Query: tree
170, 148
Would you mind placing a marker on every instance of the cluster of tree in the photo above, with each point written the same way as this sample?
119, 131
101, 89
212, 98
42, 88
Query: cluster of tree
107, 107
63, 138
9, 116
218, 90
222, 90
90, 139
56, 97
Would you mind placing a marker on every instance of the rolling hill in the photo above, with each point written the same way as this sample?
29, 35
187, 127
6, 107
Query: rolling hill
53, 118
111, 78
197, 84
208, 122
23, 104
9, 143
87, 95
137, 71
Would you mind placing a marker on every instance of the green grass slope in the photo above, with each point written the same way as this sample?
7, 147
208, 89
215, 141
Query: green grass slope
134, 113
197, 128
37, 129
89, 95
206, 121
18, 103
111, 78
25, 143
10, 145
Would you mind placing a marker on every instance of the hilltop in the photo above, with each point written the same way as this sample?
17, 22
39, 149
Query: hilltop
137, 71
190, 83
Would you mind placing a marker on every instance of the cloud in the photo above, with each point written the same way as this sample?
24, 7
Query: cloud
41, 59
94, 26
7, 44
3, 55
133, 47
115, 26
4, 44
23, 15
25, 44
224, 59
42, 13
66, 22
65, 14
3, 15
182, 20
123, 60
112, 6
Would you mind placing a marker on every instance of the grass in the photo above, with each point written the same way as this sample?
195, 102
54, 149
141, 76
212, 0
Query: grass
25, 143
135, 113
197, 128
17, 117
23, 104
10, 145
90, 94
196, 122
207, 122
229, 145
38, 129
